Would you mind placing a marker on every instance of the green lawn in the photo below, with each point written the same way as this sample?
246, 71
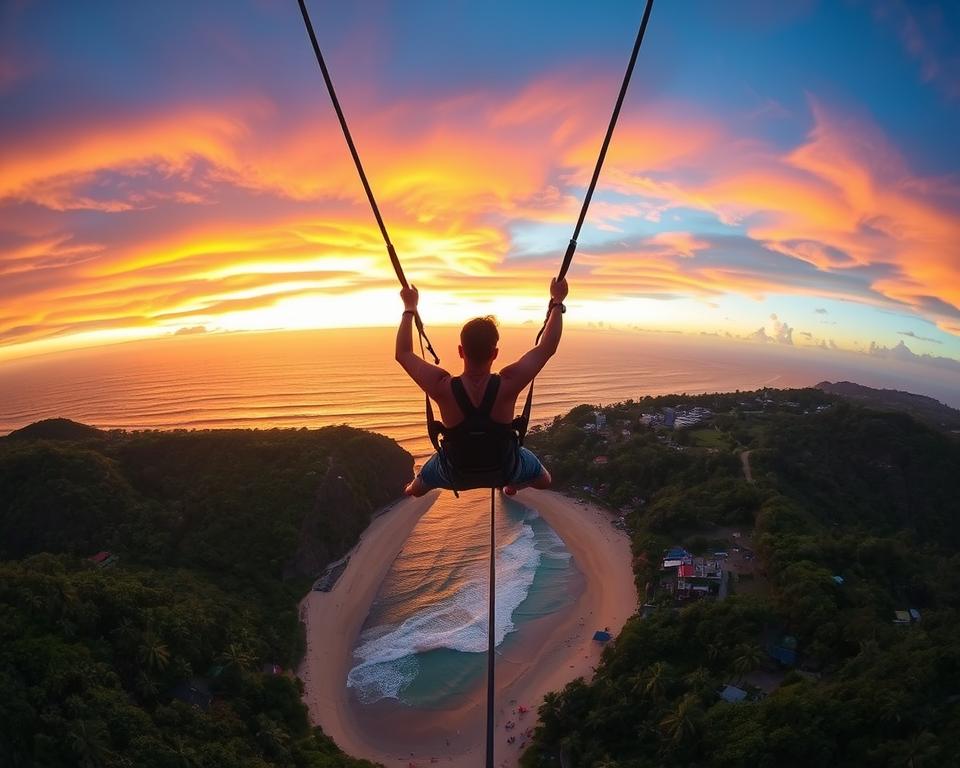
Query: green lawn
710, 438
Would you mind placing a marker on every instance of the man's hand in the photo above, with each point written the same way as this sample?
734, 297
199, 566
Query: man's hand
558, 291
410, 298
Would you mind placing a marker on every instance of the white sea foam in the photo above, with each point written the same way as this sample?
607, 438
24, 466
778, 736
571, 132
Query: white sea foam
387, 655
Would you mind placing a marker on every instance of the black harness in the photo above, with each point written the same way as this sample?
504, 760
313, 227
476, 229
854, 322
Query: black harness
479, 452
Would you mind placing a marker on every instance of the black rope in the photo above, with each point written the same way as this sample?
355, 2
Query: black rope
572, 247
391, 251
491, 630
524, 418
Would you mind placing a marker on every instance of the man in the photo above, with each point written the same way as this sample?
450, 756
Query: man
478, 399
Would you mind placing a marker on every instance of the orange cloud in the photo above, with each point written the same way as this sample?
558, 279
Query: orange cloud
226, 212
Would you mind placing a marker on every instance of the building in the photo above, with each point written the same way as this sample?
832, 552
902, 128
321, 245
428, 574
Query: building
675, 557
104, 559
688, 576
669, 416
688, 417
732, 694
699, 578
600, 419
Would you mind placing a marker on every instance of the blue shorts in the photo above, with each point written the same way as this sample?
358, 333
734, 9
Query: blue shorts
434, 474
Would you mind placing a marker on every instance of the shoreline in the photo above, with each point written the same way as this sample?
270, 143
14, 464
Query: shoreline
544, 655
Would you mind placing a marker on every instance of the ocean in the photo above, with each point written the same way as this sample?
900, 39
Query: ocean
425, 639
317, 378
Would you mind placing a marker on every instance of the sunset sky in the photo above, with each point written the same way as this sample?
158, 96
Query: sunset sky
787, 172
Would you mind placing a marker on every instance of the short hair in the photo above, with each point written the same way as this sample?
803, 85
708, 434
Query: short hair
479, 338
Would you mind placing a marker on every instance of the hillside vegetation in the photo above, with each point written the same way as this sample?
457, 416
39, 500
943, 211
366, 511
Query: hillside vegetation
176, 654
853, 514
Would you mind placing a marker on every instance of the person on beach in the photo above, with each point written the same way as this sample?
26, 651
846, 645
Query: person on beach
477, 407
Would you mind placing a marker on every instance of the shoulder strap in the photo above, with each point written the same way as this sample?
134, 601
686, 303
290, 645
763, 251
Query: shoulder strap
489, 396
434, 427
460, 394
521, 422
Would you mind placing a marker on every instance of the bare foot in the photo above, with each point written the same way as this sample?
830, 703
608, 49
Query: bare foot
540, 482
416, 487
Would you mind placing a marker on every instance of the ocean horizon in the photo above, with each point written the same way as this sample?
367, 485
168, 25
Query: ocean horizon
318, 378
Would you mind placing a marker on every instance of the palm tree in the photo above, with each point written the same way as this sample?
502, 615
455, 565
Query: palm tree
182, 754
126, 633
748, 659
657, 680
272, 737
154, 653
922, 749
146, 687
715, 651
683, 723
87, 743
889, 706
698, 678
607, 762
237, 656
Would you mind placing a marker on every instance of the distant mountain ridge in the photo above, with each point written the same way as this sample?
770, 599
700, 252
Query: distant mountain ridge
926, 409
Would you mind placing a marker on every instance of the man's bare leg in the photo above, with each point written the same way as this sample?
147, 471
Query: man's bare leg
540, 482
416, 487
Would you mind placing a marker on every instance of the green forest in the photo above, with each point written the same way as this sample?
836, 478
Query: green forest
175, 649
853, 513
178, 652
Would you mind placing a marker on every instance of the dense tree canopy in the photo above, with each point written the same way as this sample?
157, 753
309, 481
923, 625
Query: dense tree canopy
158, 660
854, 514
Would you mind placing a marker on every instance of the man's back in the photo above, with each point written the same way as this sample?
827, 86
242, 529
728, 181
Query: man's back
475, 384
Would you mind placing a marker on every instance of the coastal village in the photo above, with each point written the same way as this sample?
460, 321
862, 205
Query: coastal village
683, 426
729, 564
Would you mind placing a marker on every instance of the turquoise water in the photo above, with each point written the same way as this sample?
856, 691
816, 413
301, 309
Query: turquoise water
425, 639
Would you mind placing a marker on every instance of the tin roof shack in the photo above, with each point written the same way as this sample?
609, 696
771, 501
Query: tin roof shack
732, 694
104, 559
699, 578
673, 558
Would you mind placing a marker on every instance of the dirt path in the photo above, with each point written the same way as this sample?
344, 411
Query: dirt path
745, 460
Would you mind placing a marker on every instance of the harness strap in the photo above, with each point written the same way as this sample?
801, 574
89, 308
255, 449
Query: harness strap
471, 411
434, 427
463, 400
520, 423
489, 396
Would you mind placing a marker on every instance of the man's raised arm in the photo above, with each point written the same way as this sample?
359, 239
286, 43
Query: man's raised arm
428, 377
517, 375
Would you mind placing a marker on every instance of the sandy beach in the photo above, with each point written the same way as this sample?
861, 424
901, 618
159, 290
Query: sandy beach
547, 653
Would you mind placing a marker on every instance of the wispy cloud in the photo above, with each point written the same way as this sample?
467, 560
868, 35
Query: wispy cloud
928, 33
912, 335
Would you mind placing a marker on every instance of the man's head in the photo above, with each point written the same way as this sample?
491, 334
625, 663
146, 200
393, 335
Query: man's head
478, 340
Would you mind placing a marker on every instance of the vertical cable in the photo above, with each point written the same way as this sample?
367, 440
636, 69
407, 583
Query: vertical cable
491, 629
